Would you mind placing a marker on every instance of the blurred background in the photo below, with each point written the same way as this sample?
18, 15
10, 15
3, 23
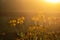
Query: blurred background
27, 16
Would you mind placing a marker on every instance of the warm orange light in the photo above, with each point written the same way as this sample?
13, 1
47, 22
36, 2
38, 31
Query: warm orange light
53, 1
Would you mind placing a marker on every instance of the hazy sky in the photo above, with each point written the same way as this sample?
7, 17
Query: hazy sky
29, 6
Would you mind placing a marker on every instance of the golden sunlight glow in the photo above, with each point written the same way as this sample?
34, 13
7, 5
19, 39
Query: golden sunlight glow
53, 1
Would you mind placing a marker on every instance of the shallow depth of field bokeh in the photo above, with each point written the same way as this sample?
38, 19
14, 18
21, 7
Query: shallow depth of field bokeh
30, 20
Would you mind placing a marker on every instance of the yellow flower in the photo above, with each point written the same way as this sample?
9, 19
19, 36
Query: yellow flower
20, 20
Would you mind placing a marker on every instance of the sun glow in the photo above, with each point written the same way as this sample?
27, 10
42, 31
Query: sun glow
53, 1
